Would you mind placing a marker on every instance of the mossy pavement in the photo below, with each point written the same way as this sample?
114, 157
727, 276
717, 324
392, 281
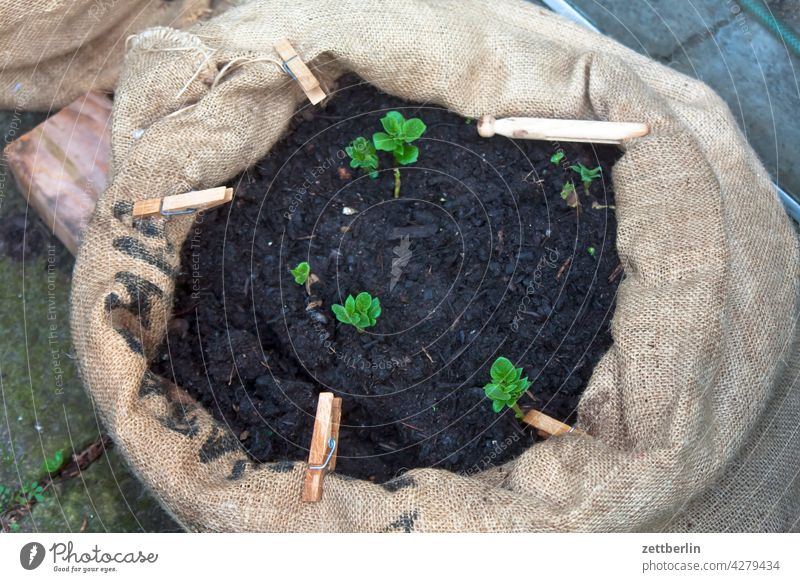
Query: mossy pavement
43, 406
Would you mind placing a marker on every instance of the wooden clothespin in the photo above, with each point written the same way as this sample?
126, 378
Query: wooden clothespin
547, 426
324, 445
298, 70
183, 203
576, 130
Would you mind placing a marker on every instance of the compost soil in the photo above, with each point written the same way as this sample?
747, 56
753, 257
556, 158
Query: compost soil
480, 257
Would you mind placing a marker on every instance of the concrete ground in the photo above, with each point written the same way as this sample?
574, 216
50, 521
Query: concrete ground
44, 409
720, 43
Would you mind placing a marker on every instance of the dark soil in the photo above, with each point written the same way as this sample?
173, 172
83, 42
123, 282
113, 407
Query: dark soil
499, 265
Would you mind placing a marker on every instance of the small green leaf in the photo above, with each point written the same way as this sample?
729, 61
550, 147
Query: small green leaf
407, 155
363, 302
360, 312
301, 272
501, 370
375, 308
54, 463
392, 122
360, 148
495, 392
591, 251
362, 154
340, 313
557, 157
569, 194
413, 129
497, 406
515, 390
383, 142
348, 318
587, 175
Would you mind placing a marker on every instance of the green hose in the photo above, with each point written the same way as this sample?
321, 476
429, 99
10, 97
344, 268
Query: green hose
765, 17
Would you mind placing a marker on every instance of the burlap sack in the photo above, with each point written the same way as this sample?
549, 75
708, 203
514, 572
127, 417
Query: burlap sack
693, 413
52, 51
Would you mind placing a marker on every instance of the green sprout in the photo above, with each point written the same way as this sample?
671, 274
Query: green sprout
591, 251
587, 176
363, 155
507, 386
557, 157
396, 139
300, 273
5, 497
31, 492
570, 195
54, 463
361, 312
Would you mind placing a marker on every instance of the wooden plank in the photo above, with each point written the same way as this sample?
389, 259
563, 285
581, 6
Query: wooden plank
323, 430
61, 165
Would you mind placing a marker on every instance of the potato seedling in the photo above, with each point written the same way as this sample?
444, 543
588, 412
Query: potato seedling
301, 272
396, 139
31, 492
506, 387
570, 195
587, 176
54, 463
26, 494
361, 312
363, 155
